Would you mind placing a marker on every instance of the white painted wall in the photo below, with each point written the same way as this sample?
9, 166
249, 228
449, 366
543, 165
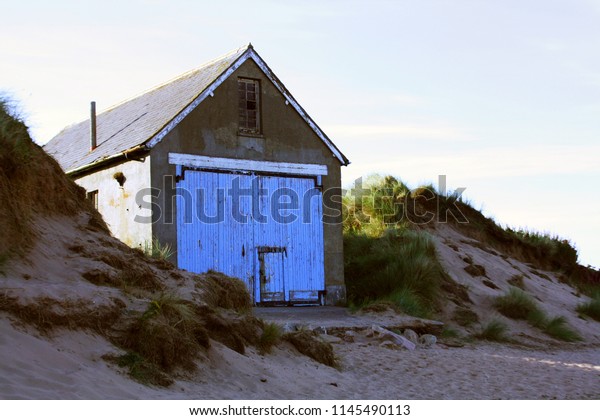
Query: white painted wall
117, 204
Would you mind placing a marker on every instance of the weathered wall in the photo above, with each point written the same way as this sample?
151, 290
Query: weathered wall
118, 204
212, 130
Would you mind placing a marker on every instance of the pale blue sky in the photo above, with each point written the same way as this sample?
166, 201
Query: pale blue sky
503, 97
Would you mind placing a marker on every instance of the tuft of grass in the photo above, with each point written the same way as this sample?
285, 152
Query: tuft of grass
225, 291
515, 304
558, 328
494, 330
154, 249
167, 335
518, 305
270, 337
591, 308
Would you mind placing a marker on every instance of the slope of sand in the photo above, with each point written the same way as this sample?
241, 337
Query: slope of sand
554, 297
69, 366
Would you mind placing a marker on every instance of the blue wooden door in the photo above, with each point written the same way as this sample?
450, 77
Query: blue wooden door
276, 222
271, 276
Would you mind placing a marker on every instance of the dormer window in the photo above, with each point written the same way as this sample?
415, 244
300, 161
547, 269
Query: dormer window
249, 106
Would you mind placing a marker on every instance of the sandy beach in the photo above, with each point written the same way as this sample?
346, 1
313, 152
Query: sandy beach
70, 366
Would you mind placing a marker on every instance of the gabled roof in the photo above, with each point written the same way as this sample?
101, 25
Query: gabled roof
143, 121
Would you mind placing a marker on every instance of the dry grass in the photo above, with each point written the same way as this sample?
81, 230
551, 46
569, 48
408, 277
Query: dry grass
309, 344
31, 184
47, 314
167, 335
231, 329
225, 292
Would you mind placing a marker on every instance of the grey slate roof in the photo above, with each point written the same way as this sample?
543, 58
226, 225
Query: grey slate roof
136, 120
145, 119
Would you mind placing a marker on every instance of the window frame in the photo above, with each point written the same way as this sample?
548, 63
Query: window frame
243, 129
92, 196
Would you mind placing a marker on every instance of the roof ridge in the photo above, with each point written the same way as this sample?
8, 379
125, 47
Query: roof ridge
180, 76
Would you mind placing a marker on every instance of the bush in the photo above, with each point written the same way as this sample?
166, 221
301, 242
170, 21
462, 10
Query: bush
399, 267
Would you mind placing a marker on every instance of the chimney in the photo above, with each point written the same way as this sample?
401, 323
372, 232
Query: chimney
92, 125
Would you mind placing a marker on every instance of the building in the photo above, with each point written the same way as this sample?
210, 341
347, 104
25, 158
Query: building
222, 164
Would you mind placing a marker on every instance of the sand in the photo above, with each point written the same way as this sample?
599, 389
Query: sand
69, 366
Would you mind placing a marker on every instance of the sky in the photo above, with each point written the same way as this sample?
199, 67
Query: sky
501, 97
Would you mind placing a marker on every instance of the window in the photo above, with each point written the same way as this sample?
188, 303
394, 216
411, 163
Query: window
249, 106
93, 197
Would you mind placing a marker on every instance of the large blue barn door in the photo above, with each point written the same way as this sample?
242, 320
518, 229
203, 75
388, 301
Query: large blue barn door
271, 238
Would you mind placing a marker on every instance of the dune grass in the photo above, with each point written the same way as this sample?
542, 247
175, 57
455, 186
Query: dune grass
494, 330
558, 328
154, 249
270, 337
591, 308
516, 304
32, 184
399, 267
167, 334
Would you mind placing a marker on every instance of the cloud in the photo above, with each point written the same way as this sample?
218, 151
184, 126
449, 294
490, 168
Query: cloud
411, 131
496, 162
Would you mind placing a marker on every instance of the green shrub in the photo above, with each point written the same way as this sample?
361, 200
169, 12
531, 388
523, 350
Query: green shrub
518, 305
155, 249
400, 267
271, 336
558, 328
515, 304
493, 331
591, 308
